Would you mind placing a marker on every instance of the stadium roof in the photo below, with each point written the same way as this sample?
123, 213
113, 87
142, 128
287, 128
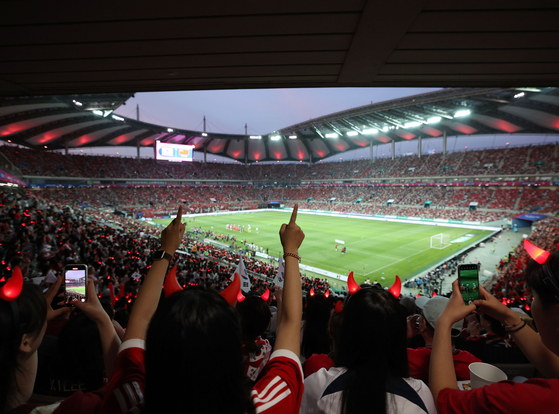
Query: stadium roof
73, 121
106, 46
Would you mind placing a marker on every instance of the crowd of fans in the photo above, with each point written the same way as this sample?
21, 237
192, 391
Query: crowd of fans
519, 160
91, 355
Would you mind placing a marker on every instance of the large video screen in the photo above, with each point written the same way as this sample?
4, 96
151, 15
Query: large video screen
173, 152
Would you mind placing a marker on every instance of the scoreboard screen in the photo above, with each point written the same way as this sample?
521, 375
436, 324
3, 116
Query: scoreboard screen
173, 152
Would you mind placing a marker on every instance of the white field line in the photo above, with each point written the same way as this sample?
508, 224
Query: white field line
397, 261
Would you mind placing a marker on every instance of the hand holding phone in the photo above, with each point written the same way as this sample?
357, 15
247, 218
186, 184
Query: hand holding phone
468, 278
75, 282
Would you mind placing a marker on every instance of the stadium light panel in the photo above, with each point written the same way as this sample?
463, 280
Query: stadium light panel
98, 113
519, 95
255, 137
462, 113
412, 124
169, 129
293, 137
204, 134
434, 120
385, 129
117, 118
352, 133
275, 137
331, 135
77, 103
370, 131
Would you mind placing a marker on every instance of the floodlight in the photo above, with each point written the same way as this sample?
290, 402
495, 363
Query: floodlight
169, 129
385, 129
275, 137
519, 95
293, 137
352, 133
98, 113
370, 131
255, 137
117, 118
331, 135
465, 112
204, 134
77, 103
434, 120
412, 124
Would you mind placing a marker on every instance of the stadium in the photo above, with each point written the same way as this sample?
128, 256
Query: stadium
396, 192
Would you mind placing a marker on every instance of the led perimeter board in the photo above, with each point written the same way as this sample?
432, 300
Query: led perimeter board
173, 152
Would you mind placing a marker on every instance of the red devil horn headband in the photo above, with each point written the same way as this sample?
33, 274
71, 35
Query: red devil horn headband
396, 288
232, 291
266, 295
352, 285
171, 283
12, 288
312, 292
339, 307
539, 255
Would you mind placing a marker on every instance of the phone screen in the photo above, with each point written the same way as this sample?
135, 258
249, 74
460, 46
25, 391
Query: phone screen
75, 280
468, 276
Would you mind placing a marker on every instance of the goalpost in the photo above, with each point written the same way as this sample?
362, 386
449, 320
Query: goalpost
440, 241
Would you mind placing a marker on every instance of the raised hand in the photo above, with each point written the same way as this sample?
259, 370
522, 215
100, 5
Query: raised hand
172, 236
49, 297
456, 310
291, 235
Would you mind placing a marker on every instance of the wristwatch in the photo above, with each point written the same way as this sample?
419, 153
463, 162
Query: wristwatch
162, 254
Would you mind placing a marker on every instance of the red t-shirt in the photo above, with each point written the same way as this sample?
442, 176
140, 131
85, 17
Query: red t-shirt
89, 403
279, 389
418, 360
505, 397
316, 362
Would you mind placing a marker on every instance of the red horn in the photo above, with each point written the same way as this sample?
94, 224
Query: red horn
339, 307
231, 292
11, 290
312, 292
266, 295
240, 297
352, 285
112, 290
539, 255
327, 294
396, 288
171, 283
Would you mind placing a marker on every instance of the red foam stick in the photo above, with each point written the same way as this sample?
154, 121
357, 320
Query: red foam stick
539, 255
266, 295
121, 292
231, 292
339, 307
171, 283
396, 288
11, 290
352, 285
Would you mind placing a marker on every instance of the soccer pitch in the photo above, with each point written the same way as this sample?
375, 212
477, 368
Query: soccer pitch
375, 249
76, 289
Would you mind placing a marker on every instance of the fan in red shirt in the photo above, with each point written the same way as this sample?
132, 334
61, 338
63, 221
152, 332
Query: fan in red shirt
193, 359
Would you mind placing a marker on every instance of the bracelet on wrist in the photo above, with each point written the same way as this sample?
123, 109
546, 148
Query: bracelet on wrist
292, 255
517, 329
513, 325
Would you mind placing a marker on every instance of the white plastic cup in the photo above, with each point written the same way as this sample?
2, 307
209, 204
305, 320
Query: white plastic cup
485, 374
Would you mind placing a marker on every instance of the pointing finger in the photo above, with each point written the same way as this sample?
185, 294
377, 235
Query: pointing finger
294, 214
179, 214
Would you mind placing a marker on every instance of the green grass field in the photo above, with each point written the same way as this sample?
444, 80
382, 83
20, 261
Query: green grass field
375, 249
76, 289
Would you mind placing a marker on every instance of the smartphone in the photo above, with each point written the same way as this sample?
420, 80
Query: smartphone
75, 281
468, 278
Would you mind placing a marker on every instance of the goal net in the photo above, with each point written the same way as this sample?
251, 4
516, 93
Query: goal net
440, 241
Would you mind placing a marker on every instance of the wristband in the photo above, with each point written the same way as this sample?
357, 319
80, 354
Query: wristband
292, 255
513, 325
517, 329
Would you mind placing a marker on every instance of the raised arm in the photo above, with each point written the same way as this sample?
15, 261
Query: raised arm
150, 293
289, 318
527, 339
441, 368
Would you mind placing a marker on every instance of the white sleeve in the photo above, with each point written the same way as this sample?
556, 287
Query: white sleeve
314, 387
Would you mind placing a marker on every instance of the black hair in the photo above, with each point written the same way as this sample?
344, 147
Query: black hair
315, 335
496, 326
80, 354
373, 348
32, 314
255, 317
535, 276
193, 345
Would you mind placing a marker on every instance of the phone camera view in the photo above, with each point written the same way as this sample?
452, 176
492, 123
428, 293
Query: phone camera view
75, 285
469, 285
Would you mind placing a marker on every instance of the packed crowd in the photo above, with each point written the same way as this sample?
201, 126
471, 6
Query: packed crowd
446, 202
522, 160
263, 349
